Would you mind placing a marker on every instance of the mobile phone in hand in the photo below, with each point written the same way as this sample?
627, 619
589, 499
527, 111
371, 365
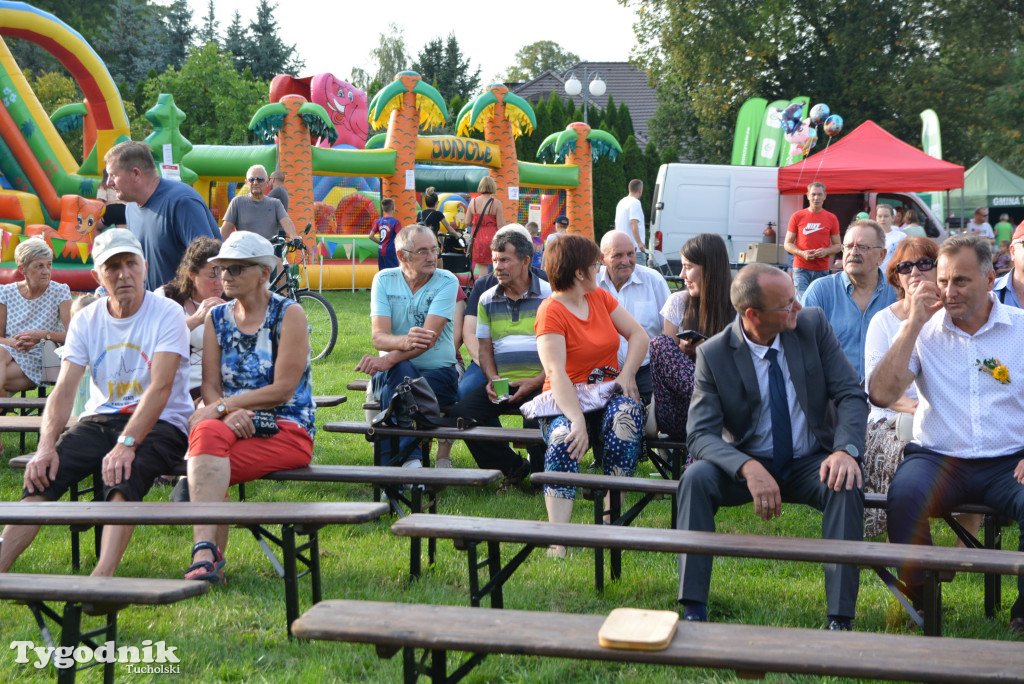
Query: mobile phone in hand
692, 336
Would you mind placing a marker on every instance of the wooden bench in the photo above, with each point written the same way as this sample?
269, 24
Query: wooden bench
749, 650
596, 486
467, 533
376, 435
302, 519
92, 596
425, 485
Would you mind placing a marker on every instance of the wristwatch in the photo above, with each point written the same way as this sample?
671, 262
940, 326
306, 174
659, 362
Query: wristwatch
222, 408
48, 339
126, 440
850, 449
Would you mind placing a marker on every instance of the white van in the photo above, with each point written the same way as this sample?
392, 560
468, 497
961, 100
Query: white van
738, 202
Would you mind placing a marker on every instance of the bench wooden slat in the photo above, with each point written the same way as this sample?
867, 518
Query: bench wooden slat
115, 590
384, 475
738, 647
166, 513
26, 423
541, 533
358, 385
328, 400
32, 403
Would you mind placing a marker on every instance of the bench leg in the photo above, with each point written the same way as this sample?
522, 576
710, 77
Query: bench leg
598, 551
474, 574
494, 571
415, 543
932, 599
615, 509
69, 637
291, 585
993, 583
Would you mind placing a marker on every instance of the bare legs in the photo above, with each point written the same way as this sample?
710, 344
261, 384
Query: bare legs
208, 479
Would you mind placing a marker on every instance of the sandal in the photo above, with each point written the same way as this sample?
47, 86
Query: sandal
204, 569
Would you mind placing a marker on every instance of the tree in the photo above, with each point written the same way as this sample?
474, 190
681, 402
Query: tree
442, 63
236, 42
133, 43
267, 54
88, 17
208, 31
180, 33
389, 57
218, 101
534, 59
947, 55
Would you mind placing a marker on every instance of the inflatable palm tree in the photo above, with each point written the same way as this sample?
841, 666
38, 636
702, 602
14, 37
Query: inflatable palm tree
294, 123
579, 145
503, 117
406, 104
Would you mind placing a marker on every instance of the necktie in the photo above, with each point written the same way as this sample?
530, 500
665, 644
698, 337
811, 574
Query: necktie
782, 429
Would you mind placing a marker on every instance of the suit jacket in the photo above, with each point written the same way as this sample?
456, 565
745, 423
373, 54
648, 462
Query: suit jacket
727, 400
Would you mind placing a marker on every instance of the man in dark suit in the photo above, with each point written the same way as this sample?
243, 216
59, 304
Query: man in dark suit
777, 411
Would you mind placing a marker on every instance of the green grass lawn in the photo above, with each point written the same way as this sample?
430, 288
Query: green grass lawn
236, 634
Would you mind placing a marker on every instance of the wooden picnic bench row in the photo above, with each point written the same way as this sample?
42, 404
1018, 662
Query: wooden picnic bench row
749, 650
295, 519
468, 533
104, 596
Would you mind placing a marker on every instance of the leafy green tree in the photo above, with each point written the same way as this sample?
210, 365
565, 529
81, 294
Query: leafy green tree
208, 31
534, 59
218, 101
442, 63
88, 17
237, 42
634, 165
389, 57
133, 42
609, 187
556, 111
267, 54
624, 122
180, 33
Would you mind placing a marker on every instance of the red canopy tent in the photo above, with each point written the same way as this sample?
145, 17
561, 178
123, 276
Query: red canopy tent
869, 159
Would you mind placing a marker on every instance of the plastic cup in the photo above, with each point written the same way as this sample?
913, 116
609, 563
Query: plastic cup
501, 388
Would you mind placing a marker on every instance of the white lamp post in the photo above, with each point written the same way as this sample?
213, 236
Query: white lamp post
595, 86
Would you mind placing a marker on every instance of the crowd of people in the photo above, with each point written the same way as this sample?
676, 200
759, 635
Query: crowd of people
809, 387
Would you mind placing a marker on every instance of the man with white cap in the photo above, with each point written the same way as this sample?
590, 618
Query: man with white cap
135, 423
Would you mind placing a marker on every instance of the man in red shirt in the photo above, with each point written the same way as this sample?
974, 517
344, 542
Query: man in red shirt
812, 239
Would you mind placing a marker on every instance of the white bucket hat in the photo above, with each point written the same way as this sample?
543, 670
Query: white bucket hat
247, 246
114, 241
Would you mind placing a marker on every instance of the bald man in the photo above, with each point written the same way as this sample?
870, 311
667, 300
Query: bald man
256, 212
640, 290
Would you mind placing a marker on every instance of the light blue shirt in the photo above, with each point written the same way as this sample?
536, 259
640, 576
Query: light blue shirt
1009, 297
834, 296
390, 296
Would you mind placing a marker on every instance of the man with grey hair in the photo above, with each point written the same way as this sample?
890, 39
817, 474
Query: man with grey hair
853, 296
256, 212
411, 312
165, 216
777, 412
640, 290
507, 349
961, 347
277, 189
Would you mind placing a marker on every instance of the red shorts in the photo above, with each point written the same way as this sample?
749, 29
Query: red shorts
252, 458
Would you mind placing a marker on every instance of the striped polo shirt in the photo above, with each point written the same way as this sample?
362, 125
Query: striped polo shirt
508, 324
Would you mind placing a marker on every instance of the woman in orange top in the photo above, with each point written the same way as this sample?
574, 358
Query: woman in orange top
578, 330
482, 223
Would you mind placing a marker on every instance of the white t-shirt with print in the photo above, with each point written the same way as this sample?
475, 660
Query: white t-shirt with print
119, 353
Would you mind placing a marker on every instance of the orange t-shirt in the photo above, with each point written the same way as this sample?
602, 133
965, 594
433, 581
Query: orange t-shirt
589, 344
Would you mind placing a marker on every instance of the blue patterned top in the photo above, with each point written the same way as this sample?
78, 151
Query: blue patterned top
247, 361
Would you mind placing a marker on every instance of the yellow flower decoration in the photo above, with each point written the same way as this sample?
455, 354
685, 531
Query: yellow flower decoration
995, 368
1002, 374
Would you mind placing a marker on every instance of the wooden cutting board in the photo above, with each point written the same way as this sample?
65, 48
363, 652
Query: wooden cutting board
638, 630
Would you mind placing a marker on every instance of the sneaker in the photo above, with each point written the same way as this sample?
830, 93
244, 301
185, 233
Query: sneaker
1017, 626
519, 473
839, 625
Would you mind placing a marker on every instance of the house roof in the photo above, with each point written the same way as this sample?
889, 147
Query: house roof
625, 82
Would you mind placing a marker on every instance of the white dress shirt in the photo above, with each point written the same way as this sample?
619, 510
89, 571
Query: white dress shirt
642, 296
965, 412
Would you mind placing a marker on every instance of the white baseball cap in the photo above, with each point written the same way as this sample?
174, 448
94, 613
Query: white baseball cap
114, 241
245, 245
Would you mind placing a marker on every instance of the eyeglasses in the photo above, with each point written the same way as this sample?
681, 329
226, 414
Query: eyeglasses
787, 309
906, 267
425, 251
860, 248
256, 180
235, 270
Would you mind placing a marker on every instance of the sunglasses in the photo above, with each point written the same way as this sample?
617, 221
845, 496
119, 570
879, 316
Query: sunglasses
906, 267
256, 180
235, 270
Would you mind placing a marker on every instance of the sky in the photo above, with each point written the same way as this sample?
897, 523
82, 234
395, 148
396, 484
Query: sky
599, 30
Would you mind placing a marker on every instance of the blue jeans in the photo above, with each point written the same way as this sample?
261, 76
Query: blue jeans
927, 484
619, 428
443, 381
802, 279
471, 379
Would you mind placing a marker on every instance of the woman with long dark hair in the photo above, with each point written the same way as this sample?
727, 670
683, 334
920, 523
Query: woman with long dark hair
702, 309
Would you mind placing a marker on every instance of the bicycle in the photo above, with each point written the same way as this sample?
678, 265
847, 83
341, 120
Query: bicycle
320, 317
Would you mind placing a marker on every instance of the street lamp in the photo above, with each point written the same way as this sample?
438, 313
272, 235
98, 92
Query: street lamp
596, 87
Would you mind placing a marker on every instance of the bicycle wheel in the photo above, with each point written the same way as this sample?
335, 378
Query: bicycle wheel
322, 321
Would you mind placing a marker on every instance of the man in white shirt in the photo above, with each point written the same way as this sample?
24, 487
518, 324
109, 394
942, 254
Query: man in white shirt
135, 423
961, 347
629, 219
640, 290
979, 225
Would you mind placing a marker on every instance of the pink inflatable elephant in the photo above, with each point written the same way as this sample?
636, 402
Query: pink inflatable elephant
346, 104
